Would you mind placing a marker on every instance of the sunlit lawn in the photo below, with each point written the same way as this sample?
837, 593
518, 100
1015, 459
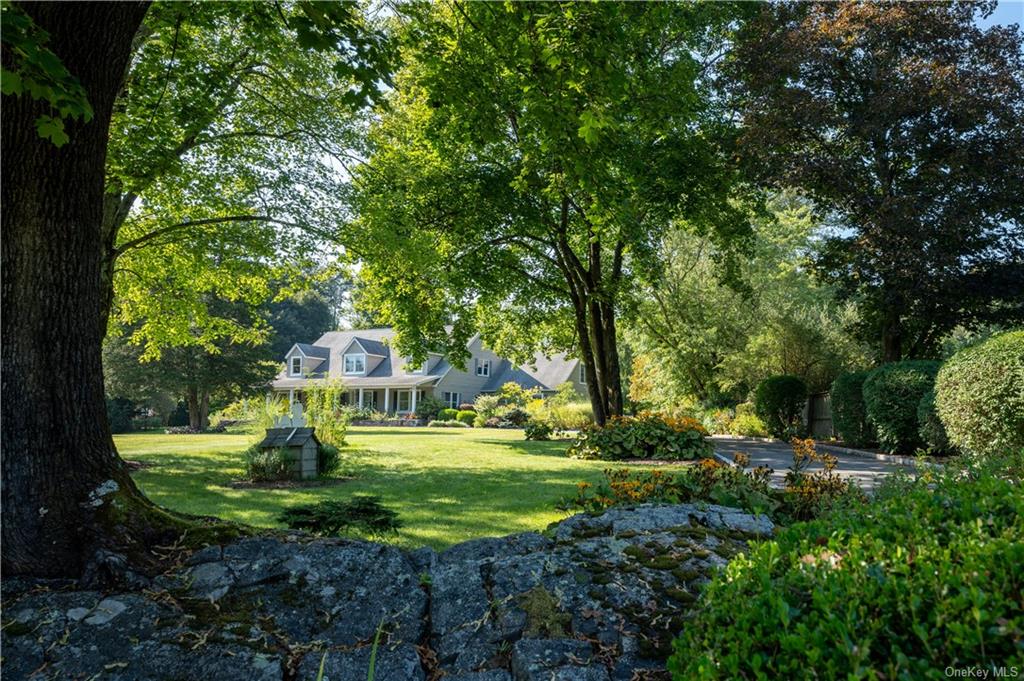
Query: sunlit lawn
447, 485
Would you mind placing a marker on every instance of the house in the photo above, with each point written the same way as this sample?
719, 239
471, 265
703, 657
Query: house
380, 379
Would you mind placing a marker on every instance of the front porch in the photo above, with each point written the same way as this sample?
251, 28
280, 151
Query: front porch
387, 400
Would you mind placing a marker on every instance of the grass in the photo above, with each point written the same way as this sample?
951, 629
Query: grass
447, 485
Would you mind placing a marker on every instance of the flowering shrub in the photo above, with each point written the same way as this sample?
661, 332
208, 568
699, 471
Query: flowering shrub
805, 495
708, 481
809, 494
646, 436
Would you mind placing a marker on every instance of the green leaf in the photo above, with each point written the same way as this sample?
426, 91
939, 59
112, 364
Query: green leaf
10, 82
52, 129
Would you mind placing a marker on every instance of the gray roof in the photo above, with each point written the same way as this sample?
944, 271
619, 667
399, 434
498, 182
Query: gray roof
288, 437
552, 371
545, 373
314, 350
509, 373
373, 347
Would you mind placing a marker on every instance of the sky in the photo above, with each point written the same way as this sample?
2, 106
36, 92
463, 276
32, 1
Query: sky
1007, 12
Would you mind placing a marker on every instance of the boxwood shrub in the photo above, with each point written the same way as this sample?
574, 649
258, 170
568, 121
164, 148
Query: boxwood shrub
645, 436
849, 413
466, 416
930, 427
779, 403
447, 415
891, 395
917, 580
979, 395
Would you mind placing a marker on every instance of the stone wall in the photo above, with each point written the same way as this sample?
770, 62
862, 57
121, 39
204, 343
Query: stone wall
595, 598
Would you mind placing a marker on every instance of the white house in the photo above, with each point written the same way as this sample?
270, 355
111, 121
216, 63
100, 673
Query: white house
379, 379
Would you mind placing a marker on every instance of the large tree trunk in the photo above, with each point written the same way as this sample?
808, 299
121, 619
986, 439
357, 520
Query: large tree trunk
60, 469
198, 409
892, 338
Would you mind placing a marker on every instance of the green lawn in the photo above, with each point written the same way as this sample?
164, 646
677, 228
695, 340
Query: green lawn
447, 485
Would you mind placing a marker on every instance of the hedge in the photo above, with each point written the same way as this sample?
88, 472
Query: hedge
979, 395
779, 402
849, 413
899, 588
891, 395
930, 427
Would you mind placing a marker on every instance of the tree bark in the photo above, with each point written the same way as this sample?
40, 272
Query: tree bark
892, 337
198, 409
60, 468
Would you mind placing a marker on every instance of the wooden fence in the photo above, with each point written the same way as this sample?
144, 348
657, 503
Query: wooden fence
818, 416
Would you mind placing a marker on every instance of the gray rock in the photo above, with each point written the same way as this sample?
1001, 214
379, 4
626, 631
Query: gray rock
540, 659
524, 607
399, 663
155, 661
493, 548
489, 675
105, 610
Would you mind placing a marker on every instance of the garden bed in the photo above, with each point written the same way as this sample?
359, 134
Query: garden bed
398, 422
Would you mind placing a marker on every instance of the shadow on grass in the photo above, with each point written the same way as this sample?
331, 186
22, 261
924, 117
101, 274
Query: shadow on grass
439, 505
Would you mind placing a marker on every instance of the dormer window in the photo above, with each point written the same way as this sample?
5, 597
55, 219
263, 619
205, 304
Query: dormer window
355, 363
295, 366
483, 367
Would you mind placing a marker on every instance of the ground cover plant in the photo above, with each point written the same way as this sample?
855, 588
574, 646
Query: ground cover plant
447, 485
926, 576
645, 436
363, 514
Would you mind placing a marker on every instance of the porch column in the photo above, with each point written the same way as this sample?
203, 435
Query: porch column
360, 398
412, 407
387, 395
291, 398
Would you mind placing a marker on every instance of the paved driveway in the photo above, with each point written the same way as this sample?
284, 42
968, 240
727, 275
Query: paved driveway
779, 456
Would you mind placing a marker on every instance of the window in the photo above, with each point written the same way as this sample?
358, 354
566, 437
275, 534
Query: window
404, 400
355, 364
452, 400
483, 367
296, 366
583, 373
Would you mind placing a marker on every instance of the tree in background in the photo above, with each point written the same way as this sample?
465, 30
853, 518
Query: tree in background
58, 453
193, 373
302, 318
707, 331
906, 122
531, 156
